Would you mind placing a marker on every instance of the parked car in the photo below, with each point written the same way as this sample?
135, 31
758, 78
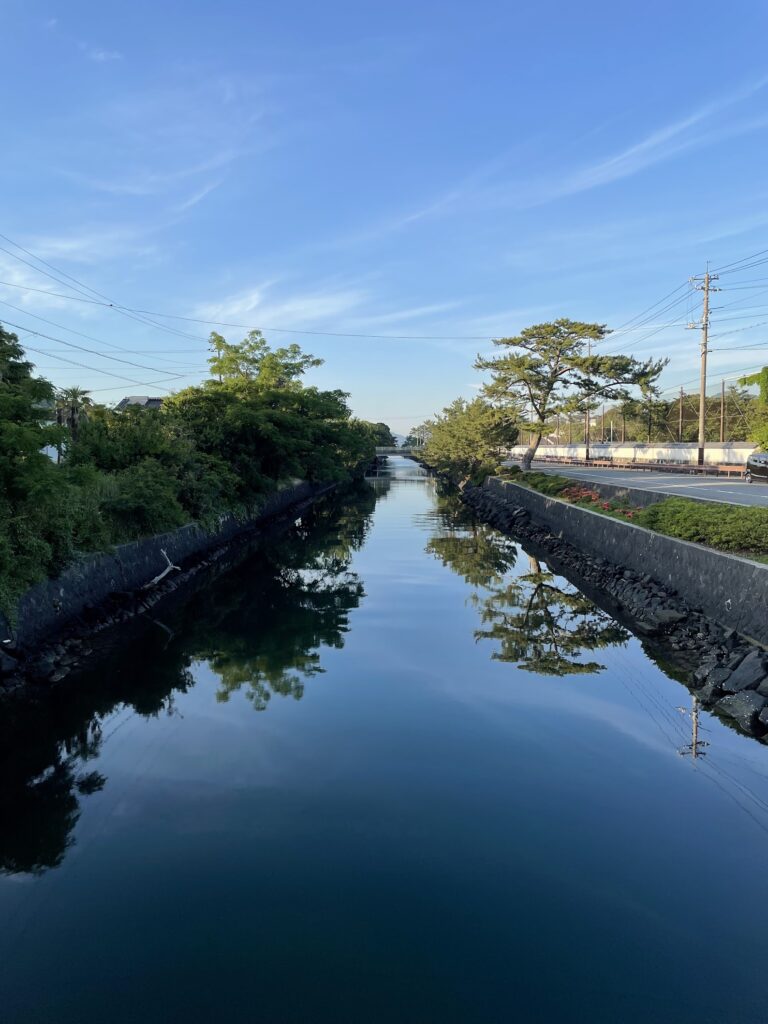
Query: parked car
757, 467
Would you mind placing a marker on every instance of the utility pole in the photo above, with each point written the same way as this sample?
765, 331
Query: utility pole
680, 416
706, 287
694, 748
586, 412
722, 411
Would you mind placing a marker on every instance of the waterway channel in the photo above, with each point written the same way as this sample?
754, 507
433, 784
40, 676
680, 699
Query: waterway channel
389, 768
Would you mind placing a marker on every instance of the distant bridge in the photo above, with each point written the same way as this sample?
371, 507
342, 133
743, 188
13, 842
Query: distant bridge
396, 451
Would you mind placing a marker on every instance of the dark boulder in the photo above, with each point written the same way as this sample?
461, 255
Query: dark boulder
7, 664
710, 692
743, 707
748, 674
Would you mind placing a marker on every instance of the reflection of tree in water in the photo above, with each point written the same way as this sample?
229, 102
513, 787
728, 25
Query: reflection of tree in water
538, 623
261, 625
45, 750
266, 623
545, 628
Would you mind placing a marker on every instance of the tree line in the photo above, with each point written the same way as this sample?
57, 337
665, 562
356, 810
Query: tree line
550, 382
116, 475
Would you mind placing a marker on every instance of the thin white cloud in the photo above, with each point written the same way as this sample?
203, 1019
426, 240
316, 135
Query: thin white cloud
100, 56
92, 247
302, 309
147, 182
403, 315
196, 197
97, 53
658, 146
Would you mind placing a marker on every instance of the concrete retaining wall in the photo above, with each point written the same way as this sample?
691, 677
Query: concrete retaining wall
47, 607
733, 591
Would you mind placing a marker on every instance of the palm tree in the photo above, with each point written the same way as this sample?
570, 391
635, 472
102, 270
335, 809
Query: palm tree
71, 405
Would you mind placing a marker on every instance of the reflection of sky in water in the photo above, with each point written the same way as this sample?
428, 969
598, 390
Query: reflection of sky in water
427, 833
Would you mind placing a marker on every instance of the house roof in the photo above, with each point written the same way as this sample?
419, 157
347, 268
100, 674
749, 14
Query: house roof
143, 401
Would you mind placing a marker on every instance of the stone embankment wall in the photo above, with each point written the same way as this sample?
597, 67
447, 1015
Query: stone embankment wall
47, 608
733, 591
686, 599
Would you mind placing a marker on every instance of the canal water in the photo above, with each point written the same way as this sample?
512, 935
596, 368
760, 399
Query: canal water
387, 769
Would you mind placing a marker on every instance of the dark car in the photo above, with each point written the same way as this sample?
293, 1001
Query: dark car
757, 467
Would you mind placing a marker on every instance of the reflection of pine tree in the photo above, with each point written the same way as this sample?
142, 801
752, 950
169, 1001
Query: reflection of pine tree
481, 556
538, 624
546, 628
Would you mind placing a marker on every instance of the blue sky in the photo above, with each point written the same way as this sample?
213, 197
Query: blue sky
448, 170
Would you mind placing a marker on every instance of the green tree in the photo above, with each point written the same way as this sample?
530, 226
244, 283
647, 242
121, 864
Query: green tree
547, 369
383, 436
759, 418
253, 360
468, 440
208, 451
33, 508
72, 404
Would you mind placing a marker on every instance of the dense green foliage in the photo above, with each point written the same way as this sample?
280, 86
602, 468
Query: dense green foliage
212, 449
738, 528
467, 441
759, 412
384, 436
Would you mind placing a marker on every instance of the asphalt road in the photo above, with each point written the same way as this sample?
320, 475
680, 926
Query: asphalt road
727, 489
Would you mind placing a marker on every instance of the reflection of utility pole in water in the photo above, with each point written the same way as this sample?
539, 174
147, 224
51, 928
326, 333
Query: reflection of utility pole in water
694, 747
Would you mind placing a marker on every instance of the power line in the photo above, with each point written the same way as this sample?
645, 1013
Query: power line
71, 330
107, 373
632, 319
82, 348
226, 323
735, 263
83, 288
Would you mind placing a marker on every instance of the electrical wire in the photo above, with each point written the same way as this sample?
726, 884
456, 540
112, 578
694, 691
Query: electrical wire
82, 348
71, 330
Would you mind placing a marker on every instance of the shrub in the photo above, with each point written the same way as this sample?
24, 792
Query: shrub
145, 502
546, 483
727, 527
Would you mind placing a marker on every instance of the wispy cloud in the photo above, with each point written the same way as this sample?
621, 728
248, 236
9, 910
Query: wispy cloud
349, 307
196, 197
665, 143
479, 192
403, 315
146, 182
99, 55
255, 305
93, 246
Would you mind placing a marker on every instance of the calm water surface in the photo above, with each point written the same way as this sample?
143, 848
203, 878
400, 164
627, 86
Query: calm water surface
388, 769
